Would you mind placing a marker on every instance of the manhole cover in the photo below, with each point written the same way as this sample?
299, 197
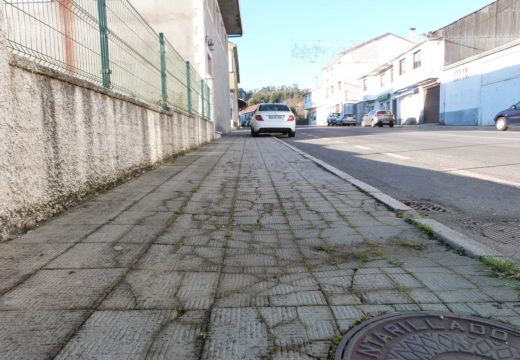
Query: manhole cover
424, 206
430, 336
508, 233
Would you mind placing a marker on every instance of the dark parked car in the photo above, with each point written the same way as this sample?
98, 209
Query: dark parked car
378, 118
508, 117
346, 120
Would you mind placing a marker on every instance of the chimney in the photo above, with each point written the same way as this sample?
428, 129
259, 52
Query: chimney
413, 35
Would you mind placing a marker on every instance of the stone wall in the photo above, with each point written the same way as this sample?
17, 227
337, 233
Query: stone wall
62, 139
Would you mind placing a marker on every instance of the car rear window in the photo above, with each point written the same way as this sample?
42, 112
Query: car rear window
385, 112
273, 107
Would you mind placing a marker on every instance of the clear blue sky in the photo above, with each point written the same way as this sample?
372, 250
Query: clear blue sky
274, 29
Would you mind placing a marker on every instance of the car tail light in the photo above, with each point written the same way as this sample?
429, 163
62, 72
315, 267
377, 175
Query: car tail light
290, 118
259, 117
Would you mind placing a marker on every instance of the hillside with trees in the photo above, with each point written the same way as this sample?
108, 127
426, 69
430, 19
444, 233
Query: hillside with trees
290, 95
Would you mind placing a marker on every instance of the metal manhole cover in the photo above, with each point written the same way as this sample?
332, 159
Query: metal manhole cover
508, 233
424, 206
430, 336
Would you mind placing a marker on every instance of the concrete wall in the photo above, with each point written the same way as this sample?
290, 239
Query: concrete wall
474, 90
62, 138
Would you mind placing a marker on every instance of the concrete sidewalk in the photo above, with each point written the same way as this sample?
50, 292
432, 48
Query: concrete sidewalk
241, 250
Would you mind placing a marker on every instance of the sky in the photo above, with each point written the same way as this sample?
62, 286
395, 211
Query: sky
288, 42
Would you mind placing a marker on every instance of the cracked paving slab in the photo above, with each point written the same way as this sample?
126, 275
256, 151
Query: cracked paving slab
239, 250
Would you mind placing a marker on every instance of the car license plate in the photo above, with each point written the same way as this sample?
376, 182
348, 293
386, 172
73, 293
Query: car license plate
275, 116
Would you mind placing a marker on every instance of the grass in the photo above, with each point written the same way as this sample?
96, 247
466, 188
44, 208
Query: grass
336, 340
421, 227
412, 245
502, 268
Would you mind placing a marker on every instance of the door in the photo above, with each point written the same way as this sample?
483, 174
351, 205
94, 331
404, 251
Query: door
432, 105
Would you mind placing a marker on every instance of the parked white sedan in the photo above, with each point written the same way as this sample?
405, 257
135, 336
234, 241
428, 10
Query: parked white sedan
273, 118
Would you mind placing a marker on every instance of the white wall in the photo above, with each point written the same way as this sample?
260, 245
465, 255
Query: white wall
189, 25
474, 90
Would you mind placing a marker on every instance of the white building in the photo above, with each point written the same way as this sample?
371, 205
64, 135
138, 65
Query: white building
407, 84
341, 85
198, 29
474, 90
313, 104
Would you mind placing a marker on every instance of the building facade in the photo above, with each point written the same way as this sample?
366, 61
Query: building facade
205, 26
482, 70
234, 80
474, 90
407, 84
341, 88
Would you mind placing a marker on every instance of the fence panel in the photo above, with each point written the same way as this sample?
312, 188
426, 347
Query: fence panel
108, 43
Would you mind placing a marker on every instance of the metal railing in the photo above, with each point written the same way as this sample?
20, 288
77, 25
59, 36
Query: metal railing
108, 43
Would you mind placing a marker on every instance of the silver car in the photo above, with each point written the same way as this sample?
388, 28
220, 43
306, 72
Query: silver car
346, 120
378, 118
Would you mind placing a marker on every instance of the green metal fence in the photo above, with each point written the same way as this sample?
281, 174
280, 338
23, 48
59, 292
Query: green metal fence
106, 42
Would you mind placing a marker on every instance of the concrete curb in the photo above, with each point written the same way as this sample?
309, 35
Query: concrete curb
441, 232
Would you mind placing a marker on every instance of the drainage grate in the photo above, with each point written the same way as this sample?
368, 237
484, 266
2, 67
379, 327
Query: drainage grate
429, 336
507, 233
425, 206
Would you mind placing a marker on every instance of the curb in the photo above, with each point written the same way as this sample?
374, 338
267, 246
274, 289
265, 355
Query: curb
441, 232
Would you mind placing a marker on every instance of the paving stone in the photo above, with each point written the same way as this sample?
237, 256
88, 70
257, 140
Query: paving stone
462, 296
93, 213
405, 280
444, 281
20, 260
319, 322
97, 255
423, 296
491, 309
36, 334
56, 233
373, 282
61, 289
108, 233
434, 307
145, 290
184, 258
115, 334
141, 234
181, 338
300, 298
386, 297
237, 333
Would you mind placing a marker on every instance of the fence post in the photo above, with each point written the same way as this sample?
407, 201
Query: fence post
103, 36
209, 103
202, 101
164, 84
188, 86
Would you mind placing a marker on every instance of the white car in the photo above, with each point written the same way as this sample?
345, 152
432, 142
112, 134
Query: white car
273, 118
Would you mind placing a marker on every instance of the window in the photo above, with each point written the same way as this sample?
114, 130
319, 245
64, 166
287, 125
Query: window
391, 75
417, 59
339, 85
332, 89
382, 80
274, 107
402, 66
364, 84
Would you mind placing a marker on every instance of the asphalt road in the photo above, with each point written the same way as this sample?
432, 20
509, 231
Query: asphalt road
467, 178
